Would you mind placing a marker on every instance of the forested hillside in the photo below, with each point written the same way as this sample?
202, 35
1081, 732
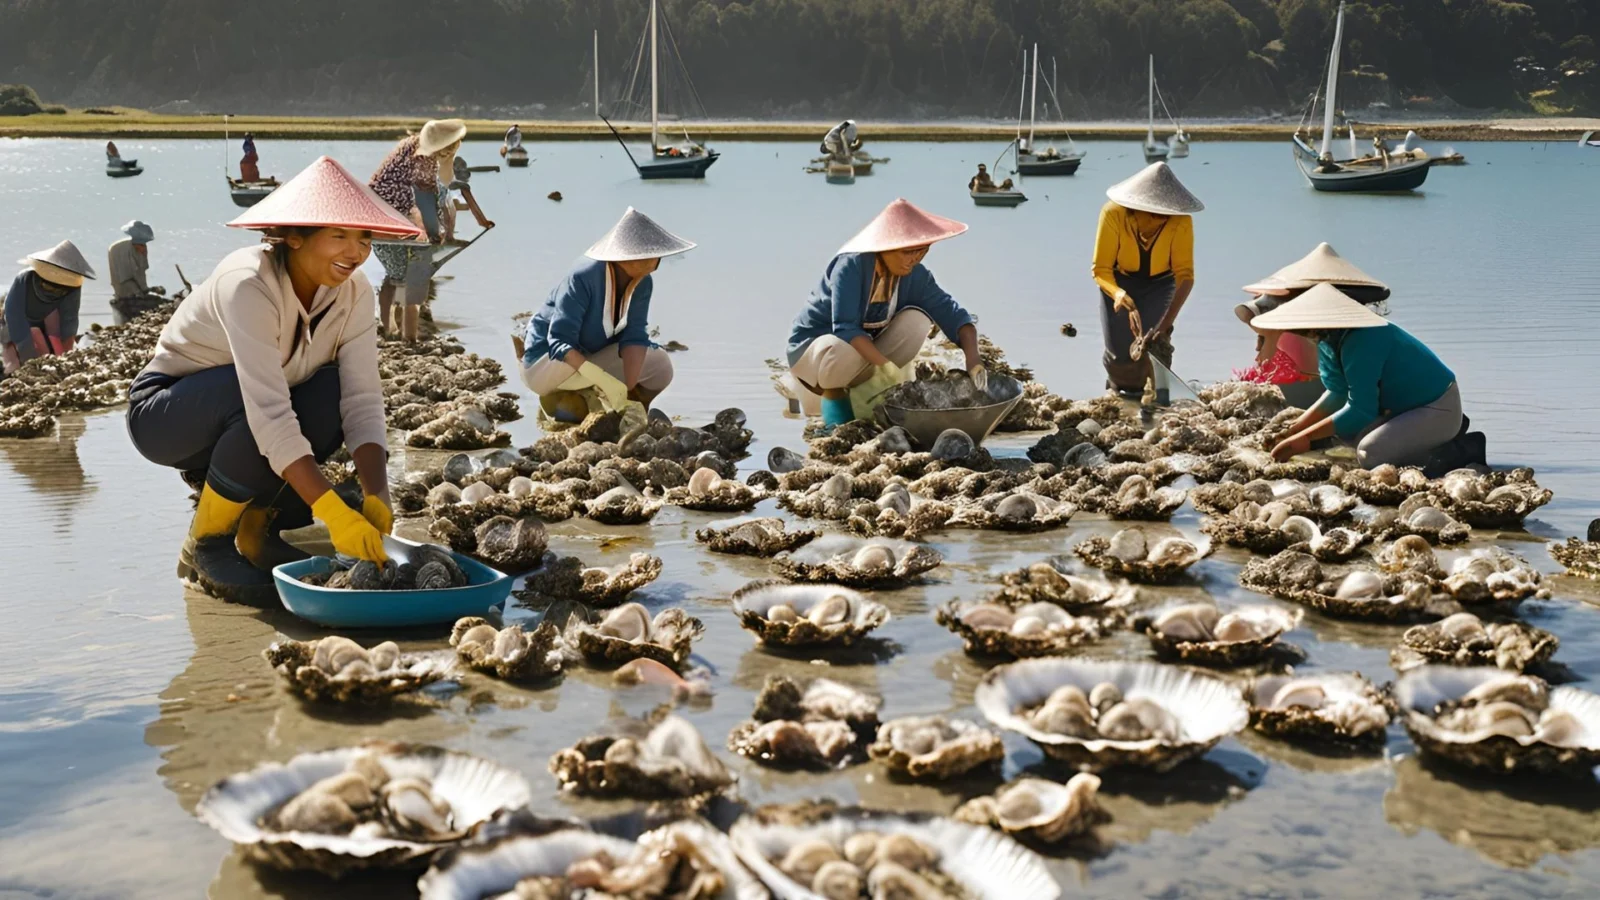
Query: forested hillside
799, 58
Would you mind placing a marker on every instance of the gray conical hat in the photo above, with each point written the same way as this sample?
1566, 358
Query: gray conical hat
64, 255
1322, 307
1323, 265
637, 236
139, 231
1155, 190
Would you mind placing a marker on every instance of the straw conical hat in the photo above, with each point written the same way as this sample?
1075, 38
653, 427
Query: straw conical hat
1323, 265
1322, 307
326, 195
438, 134
637, 236
902, 225
1155, 190
61, 264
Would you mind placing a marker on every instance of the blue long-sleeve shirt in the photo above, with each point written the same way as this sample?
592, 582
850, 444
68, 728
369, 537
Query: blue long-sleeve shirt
27, 306
573, 317
839, 304
1372, 373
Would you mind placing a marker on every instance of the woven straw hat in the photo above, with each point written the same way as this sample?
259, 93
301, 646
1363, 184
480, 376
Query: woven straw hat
637, 236
1322, 265
1155, 189
62, 264
438, 134
326, 195
902, 225
1322, 307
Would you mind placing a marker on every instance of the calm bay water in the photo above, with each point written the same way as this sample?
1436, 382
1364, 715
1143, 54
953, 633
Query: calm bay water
122, 697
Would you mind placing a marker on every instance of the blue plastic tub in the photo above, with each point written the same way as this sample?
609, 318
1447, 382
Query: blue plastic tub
486, 590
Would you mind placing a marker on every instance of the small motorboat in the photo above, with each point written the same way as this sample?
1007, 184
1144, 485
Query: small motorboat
839, 172
249, 193
517, 157
1007, 199
123, 168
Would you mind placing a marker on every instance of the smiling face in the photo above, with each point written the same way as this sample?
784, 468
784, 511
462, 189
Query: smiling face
901, 262
328, 256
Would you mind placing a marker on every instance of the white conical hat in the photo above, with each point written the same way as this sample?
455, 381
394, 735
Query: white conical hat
1155, 189
1322, 307
902, 225
637, 236
1323, 265
64, 256
438, 134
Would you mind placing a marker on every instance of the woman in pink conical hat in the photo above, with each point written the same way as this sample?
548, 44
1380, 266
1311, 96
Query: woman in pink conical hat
265, 370
868, 318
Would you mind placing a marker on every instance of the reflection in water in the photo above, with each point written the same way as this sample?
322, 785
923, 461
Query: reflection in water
52, 467
1319, 760
1510, 821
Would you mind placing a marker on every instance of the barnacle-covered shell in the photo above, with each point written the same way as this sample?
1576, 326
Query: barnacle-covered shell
801, 615
1358, 594
709, 492
1491, 575
670, 761
1043, 581
1331, 707
241, 807
871, 562
935, 747
1204, 709
628, 632
1581, 558
622, 505
1201, 634
1164, 560
752, 536
510, 545
1021, 509
324, 677
509, 652
1466, 640
1559, 729
1000, 629
567, 578
1039, 811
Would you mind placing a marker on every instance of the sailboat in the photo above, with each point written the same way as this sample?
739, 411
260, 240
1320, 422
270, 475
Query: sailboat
687, 160
1154, 150
1372, 174
1051, 161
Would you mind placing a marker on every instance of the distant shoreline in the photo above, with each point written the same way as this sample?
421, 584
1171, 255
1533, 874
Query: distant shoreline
133, 124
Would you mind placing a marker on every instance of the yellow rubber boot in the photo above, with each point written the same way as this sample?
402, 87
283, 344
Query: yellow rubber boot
215, 515
258, 543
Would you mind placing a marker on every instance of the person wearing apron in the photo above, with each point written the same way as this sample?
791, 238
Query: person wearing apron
1144, 268
40, 316
263, 373
866, 321
592, 337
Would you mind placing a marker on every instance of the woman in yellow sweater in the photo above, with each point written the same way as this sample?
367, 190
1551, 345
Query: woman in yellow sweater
1144, 268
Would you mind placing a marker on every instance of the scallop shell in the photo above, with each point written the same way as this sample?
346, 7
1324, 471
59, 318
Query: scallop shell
1264, 623
1350, 711
1465, 640
671, 761
668, 638
935, 747
1421, 691
1206, 707
753, 536
1096, 551
754, 601
985, 864
988, 628
857, 562
236, 807
1039, 811
375, 686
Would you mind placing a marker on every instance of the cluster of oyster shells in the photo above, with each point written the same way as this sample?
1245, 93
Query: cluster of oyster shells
336, 669
1021, 509
623, 505
1138, 498
997, 628
1271, 527
671, 760
847, 560
1384, 485
1501, 721
509, 653
628, 632
708, 491
794, 615
764, 536
1203, 634
1466, 640
1493, 576
867, 864
1334, 707
1044, 581
429, 568
1132, 555
1355, 594
935, 747
1496, 500
823, 725
1039, 811
1581, 558
568, 579
444, 396
1417, 515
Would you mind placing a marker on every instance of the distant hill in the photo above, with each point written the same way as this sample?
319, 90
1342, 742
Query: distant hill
797, 58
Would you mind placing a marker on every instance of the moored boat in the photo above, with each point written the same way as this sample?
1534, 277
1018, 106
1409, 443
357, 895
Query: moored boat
1049, 161
249, 193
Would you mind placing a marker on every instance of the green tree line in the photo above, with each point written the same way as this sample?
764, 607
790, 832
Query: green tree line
800, 58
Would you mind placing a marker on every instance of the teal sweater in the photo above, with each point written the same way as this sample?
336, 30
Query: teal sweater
1373, 373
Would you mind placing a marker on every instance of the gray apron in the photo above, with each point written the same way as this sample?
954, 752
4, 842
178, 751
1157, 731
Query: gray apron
1151, 295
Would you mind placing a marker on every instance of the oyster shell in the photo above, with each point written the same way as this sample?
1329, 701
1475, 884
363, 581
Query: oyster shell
1016, 510
1136, 498
1039, 811
1130, 554
509, 652
842, 559
338, 670
1384, 485
670, 761
1411, 554
622, 505
751, 536
1333, 707
825, 725
1358, 594
567, 578
1418, 516
709, 492
1199, 710
1500, 721
935, 747
1043, 581
245, 808
1466, 640
1581, 558
803, 615
1200, 633
1491, 575
628, 632
1005, 630
1497, 500
511, 545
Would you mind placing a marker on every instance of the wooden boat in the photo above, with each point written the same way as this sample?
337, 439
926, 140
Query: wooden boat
1154, 150
687, 160
839, 172
1008, 199
1050, 161
517, 157
249, 193
1362, 175
126, 168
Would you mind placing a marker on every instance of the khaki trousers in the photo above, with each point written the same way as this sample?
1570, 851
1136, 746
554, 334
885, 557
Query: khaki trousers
830, 363
550, 375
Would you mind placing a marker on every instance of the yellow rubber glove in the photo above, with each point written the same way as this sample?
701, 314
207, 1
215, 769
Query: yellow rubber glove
351, 534
866, 397
610, 387
378, 513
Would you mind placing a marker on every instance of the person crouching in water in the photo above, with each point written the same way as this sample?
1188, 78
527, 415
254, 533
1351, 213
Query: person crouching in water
868, 318
264, 371
1384, 390
593, 333
40, 316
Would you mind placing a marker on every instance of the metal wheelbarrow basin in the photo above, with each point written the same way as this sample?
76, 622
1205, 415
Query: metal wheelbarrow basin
920, 407
486, 589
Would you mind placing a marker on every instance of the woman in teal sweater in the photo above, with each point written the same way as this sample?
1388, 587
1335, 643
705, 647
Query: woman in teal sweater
1386, 392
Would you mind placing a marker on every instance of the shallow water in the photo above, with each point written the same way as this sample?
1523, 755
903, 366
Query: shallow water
122, 697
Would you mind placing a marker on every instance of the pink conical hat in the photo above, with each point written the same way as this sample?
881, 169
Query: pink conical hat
902, 225
326, 195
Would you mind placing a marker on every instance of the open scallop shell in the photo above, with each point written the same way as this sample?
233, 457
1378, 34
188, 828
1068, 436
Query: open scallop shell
1039, 811
857, 562
510, 653
1268, 623
1043, 581
1419, 693
1331, 707
991, 627
987, 865
935, 747
672, 760
1207, 708
493, 869
476, 789
293, 661
1096, 551
754, 602
1465, 640
629, 632
752, 536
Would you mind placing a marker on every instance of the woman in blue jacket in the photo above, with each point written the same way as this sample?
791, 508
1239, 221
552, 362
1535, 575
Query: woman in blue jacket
593, 331
1385, 391
874, 308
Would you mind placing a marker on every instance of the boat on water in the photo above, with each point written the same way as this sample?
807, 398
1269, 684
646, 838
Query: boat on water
1370, 174
1048, 161
517, 157
124, 168
1589, 139
840, 172
689, 159
1154, 150
249, 193
982, 187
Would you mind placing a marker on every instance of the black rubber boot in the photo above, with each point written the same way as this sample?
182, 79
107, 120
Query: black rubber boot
215, 566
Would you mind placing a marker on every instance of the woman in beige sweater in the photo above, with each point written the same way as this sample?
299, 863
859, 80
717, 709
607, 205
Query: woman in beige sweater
266, 369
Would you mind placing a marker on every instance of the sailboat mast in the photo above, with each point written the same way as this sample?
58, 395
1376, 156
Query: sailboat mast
597, 71
1150, 104
1033, 107
655, 86
1333, 84
1022, 99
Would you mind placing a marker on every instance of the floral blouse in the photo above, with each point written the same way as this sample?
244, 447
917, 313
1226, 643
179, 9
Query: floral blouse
402, 170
